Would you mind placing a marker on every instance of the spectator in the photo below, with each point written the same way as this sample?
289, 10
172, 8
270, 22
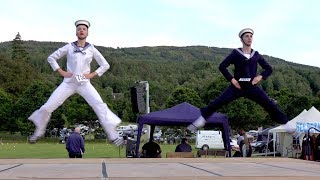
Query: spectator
75, 144
151, 150
237, 152
244, 144
184, 146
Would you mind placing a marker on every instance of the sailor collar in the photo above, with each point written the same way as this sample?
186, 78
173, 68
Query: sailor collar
242, 53
78, 49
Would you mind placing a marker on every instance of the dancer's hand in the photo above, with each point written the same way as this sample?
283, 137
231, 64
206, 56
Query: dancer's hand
256, 80
64, 73
91, 75
235, 83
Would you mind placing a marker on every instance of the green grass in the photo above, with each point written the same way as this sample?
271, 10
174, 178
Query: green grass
17, 146
56, 150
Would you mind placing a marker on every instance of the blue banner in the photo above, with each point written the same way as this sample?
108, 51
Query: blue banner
303, 127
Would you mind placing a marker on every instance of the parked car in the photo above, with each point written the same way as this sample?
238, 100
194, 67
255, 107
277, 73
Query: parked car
253, 133
262, 147
64, 134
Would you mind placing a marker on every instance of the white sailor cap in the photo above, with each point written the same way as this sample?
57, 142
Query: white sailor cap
82, 22
245, 30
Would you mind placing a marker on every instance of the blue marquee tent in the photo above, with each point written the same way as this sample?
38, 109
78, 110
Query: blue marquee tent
182, 115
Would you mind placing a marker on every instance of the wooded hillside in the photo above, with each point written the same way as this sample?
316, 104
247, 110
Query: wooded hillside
175, 74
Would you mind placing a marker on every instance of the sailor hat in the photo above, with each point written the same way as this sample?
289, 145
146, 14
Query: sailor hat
82, 22
246, 30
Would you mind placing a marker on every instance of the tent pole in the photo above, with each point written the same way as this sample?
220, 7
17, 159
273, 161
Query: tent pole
274, 137
138, 139
267, 144
147, 107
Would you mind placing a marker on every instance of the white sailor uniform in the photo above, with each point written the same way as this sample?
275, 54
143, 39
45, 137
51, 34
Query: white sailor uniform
78, 63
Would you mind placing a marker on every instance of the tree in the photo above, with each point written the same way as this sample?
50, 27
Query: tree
18, 50
246, 114
6, 119
242, 113
16, 76
31, 99
215, 89
283, 98
182, 94
316, 102
78, 111
297, 104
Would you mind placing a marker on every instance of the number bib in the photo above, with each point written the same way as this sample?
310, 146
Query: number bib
245, 79
81, 78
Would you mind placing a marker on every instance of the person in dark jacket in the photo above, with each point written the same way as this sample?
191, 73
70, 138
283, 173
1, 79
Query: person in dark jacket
75, 144
184, 146
151, 150
244, 82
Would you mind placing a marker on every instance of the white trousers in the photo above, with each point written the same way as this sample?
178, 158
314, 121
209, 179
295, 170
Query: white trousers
107, 118
244, 150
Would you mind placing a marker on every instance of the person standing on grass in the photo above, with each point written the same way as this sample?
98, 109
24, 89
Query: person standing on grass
244, 144
75, 144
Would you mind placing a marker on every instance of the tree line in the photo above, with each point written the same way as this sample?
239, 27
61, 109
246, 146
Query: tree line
175, 75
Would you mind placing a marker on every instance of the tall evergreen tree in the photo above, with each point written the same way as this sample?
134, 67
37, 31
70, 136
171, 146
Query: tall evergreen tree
18, 50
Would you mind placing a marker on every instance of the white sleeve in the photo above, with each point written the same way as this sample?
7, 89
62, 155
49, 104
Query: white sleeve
52, 59
103, 64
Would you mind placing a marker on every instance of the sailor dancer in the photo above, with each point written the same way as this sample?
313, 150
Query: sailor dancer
77, 80
244, 82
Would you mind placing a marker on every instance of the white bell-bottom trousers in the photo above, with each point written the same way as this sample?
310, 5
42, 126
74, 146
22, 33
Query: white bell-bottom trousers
107, 118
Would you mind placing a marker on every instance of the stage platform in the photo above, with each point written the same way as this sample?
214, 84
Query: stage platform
163, 168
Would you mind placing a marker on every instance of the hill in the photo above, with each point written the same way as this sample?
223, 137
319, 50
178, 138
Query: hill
165, 68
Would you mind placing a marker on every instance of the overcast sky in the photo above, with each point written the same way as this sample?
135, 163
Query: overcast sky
286, 29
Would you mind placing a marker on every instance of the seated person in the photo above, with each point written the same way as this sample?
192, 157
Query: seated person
236, 149
184, 146
151, 150
237, 152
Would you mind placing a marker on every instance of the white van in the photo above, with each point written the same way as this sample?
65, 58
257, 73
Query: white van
207, 139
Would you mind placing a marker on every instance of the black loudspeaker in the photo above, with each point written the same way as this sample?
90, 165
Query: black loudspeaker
137, 99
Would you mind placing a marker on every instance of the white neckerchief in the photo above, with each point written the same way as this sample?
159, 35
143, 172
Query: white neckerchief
246, 55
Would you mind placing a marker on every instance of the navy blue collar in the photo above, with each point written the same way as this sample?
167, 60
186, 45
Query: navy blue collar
77, 49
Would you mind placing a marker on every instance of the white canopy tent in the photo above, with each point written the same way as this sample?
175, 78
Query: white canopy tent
283, 134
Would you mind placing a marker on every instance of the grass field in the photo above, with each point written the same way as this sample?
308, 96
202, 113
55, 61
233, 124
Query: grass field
17, 146
55, 150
